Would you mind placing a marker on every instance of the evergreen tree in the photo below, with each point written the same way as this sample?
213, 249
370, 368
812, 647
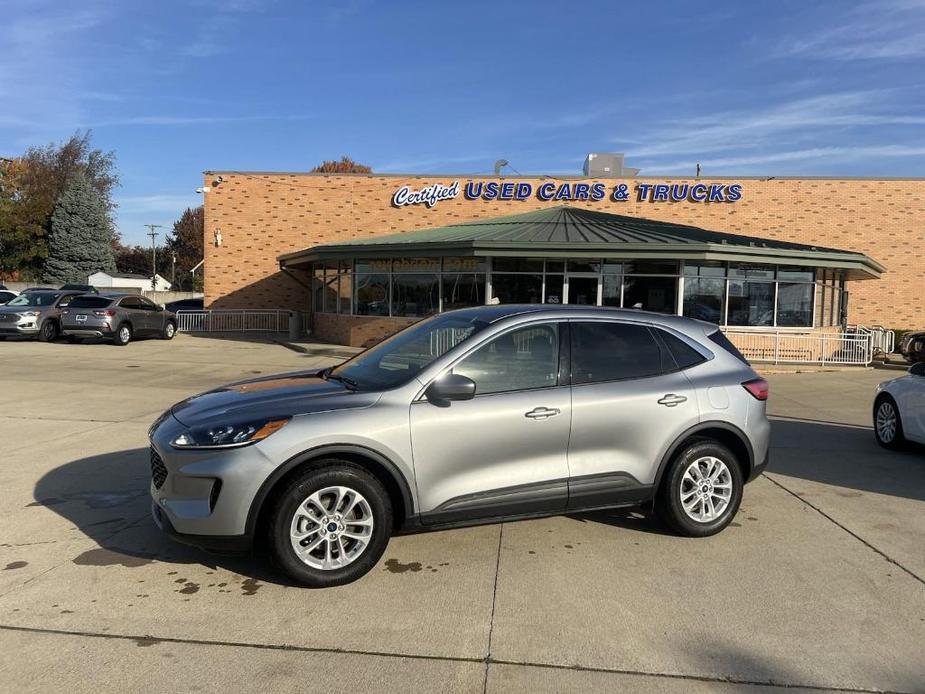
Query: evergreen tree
80, 242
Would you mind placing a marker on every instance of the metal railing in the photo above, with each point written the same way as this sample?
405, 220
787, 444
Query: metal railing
849, 348
231, 321
882, 340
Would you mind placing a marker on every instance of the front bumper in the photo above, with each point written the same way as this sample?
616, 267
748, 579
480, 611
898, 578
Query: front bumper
230, 544
24, 328
204, 497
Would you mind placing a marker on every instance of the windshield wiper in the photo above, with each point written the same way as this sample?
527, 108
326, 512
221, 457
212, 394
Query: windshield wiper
328, 375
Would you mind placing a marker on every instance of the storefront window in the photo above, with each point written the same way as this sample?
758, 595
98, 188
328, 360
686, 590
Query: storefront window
584, 266
610, 292
794, 305
795, 274
345, 292
462, 289
465, 265
554, 289
751, 303
372, 294
658, 294
517, 289
330, 290
416, 265
517, 265
415, 294
751, 272
705, 269
705, 298
650, 267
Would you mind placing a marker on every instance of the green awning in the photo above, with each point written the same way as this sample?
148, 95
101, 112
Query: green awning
560, 232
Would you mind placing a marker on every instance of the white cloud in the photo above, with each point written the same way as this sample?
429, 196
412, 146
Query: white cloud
886, 30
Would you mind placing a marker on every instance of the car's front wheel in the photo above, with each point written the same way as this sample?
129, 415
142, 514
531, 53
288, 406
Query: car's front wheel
49, 331
701, 490
330, 524
888, 427
169, 331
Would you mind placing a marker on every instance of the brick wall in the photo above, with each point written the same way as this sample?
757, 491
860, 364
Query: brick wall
262, 216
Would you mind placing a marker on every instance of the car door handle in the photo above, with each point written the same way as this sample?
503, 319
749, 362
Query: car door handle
541, 413
670, 400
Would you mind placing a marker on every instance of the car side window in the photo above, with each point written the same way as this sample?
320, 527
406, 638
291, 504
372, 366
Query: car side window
683, 354
521, 359
146, 304
608, 351
130, 302
65, 300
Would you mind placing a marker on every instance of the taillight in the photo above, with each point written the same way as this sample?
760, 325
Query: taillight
106, 313
758, 388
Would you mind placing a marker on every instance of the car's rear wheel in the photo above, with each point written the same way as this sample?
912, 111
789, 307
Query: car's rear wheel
888, 427
330, 525
701, 489
123, 335
49, 331
169, 331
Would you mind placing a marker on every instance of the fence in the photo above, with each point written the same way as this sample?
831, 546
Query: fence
230, 321
849, 348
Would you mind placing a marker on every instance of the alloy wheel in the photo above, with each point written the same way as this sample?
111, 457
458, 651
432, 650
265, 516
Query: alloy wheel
886, 421
124, 334
331, 528
706, 489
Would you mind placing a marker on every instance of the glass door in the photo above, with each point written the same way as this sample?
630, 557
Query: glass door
582, 290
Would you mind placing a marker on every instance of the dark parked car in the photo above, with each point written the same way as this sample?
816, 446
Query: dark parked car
185, 305
35, 312
84, 288
117, 317
912, 346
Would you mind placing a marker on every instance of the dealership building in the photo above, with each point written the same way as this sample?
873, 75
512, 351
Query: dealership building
363, 255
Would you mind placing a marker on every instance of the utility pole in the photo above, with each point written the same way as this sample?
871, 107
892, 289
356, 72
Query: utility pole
173, 269
153, 235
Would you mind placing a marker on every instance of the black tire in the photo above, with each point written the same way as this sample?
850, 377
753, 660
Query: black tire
48, 331
170, 329
123, 335
887, 403
668, 502
325, 474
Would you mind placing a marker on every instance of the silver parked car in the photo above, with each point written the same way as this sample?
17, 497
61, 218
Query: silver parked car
472, 416
34, 313
899, 409
117, 317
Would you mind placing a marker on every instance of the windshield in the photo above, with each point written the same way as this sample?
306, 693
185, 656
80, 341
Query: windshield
34, 299
402, 356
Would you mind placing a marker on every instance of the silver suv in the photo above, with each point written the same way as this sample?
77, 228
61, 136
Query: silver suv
472, 416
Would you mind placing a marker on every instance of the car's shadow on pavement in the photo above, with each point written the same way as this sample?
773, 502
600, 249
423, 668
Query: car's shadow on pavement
106, 498
845, 456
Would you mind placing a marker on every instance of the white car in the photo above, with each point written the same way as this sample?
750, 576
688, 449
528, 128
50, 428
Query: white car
899, 409
7, 295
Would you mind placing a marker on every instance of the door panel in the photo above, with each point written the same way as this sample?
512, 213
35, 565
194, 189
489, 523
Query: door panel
627, 408
485, 457
912, 409
505, 451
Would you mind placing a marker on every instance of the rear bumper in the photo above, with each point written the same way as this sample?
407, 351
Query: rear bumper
224, 544
759, 467
72, 331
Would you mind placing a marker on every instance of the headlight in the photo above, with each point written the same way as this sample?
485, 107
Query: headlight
228, 435
29, 314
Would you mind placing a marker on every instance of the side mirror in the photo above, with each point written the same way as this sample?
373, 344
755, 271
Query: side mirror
160, 307
918, 369
451, 387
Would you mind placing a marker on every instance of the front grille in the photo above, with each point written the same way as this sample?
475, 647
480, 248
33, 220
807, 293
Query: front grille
158, 471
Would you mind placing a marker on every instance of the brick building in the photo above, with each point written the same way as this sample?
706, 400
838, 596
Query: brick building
270, 237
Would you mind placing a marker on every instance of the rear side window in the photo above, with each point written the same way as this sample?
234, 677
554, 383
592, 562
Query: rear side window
612, 352
719, 338
90, 302
130, 302
684, 355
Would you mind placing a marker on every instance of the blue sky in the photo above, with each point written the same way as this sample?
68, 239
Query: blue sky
745, 88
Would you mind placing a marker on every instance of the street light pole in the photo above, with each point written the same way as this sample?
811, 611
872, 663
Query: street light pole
153, 235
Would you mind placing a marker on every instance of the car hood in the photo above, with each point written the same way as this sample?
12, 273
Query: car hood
282, 395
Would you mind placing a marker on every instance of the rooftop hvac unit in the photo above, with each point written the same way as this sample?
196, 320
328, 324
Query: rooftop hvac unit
607, 165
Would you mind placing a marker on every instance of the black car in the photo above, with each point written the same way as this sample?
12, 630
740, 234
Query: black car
912, 346
85, 288
185, 305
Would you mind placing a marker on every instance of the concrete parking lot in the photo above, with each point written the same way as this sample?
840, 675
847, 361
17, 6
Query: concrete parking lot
818, 584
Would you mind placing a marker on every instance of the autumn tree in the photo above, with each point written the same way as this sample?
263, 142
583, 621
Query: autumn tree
32, 185
344, 165
80, 239
186, 241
